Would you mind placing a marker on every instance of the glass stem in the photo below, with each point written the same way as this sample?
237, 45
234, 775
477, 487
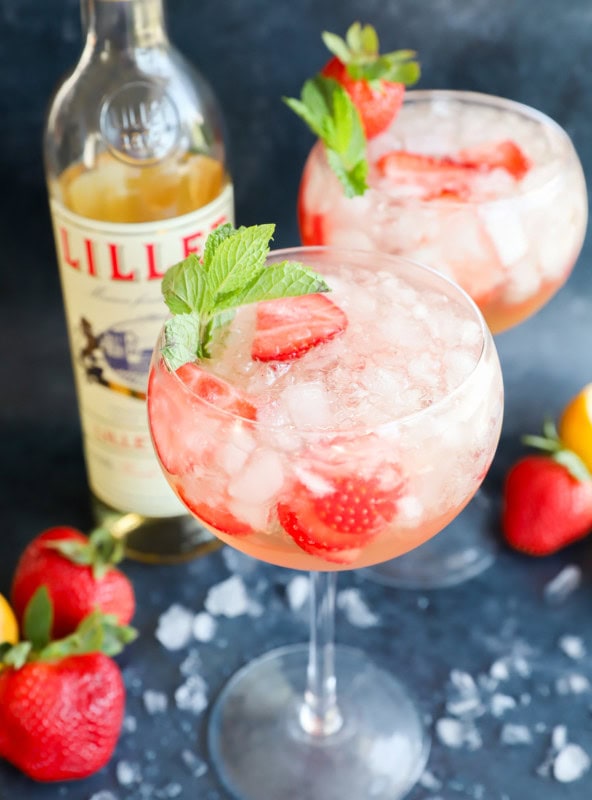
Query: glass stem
320, 715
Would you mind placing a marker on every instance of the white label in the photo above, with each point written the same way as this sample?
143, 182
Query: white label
111, 276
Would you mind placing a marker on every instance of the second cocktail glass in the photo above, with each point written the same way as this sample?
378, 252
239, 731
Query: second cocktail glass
487, 191
348, 455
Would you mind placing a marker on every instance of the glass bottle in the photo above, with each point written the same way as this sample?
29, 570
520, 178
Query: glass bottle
137, 177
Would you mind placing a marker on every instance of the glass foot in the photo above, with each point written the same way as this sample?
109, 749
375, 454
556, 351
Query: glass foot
262, 753
464, 549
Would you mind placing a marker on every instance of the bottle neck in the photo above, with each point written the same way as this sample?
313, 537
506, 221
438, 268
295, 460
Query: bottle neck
123, 24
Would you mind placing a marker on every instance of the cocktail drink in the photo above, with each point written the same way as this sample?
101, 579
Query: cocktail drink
486, 190
328, 432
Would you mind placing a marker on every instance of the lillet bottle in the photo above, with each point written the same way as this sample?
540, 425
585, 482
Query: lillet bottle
137, 178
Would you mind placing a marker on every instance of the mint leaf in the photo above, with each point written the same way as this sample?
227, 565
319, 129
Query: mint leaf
329, 112
185, 286
183, 340
204, 296
38, 618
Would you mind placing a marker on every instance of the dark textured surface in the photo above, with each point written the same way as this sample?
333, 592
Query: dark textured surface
254, 52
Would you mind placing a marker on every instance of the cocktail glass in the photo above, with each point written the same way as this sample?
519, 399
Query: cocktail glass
509, 239
342, 467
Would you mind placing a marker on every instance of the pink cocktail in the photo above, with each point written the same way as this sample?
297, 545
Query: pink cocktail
343, 454
488, 191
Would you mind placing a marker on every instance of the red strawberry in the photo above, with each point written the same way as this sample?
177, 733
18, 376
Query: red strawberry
79, 575
172, 411
61, 702
289, 327
378, 102
337, 524
497, 155
545, 506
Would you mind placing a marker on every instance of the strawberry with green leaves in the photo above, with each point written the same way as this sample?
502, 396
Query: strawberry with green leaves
547, 501
356, 96
79, 573
61, 701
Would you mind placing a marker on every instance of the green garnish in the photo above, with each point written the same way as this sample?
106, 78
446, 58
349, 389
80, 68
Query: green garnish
203, 295
328, 110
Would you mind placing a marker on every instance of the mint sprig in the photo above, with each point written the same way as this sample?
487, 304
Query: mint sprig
328, 111
203, 295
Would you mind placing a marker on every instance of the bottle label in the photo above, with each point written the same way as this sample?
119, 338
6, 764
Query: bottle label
111, 276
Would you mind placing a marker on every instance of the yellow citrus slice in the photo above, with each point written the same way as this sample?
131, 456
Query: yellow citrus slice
575, 425
8, 623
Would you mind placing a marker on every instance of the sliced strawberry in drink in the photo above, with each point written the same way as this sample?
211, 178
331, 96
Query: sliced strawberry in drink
337, 524
184, 429
289, 327
497, 155
214, 516
438, 176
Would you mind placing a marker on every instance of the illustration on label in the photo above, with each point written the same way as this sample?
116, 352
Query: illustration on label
119, 357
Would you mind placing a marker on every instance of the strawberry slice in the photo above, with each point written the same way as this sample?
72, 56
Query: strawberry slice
183, 428
336, 525
287, 328
440, 177
214, 516
497, 155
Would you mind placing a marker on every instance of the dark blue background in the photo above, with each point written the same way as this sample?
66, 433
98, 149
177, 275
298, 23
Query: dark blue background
253, 52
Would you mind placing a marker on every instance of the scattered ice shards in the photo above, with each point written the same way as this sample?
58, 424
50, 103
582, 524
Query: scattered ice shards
168, 792
357, 613
572, 683
175, 627
297, 592
515, 734
500, 703
196, 766
422, 603
228, 598
155, 702
570, 763
563, 584
429, 781
103, 795
456, 733
558, 742
128, 773
464, 699
191, 695
499, 670
191, 664
559, 737
204, 627
572, 646
130, 724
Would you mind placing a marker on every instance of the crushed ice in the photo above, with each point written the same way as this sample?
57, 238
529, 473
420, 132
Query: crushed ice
357, 613
192, 695
515, 734
175, 627
456, 733
228, 598
563, 584
196, 766
155, 702
204, 627
571, 763
572, 646
297, 592
128, 773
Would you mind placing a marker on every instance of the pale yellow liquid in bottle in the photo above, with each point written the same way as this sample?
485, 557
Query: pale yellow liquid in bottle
113, 191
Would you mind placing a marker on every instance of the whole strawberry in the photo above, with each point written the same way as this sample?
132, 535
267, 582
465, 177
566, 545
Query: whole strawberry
61, 702
547, 499
79, 575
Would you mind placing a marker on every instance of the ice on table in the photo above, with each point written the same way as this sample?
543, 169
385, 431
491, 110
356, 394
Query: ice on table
228, 598
571, 764
155, 702
128, 773
297, 592
175, 627
572, 646
204, 627
512, 735
355, 609
192, 695
563, 584
196, 766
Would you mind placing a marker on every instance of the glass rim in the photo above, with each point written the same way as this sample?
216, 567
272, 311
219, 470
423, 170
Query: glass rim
486, 342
